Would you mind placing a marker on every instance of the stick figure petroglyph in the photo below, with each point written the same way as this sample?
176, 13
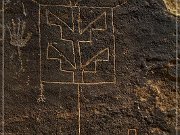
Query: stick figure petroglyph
17, 37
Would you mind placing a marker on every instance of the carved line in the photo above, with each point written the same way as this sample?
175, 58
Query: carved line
125, 1
24, 10
79, 20
47, 56
95, 71
2, 133
79, 109
103, 14
88, 62
72, 15
112, 82
102, 51
47, 13
177, 67
114, 40
41, 98
44, 5
3, 54
76, 4
61, 36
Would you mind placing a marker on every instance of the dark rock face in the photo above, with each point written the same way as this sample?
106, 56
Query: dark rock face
130, 89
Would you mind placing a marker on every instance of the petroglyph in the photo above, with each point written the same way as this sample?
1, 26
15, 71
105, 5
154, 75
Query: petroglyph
24, 10
73, 37
81, 47
16, 31
77, 52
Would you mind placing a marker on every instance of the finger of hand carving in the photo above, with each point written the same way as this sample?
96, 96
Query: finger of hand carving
19, 25
28, 37
23, 28
9, 29
14, 27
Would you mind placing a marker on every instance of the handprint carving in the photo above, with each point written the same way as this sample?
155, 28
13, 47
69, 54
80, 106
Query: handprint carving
17, 37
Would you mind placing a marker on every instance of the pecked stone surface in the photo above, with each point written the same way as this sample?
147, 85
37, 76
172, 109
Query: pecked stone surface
141, 102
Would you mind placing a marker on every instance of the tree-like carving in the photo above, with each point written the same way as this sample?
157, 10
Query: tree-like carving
76, 35
77, 45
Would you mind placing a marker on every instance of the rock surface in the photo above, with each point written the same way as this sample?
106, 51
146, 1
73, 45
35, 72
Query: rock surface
141, 102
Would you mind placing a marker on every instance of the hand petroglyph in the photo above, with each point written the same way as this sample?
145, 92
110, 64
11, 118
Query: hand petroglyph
17, 36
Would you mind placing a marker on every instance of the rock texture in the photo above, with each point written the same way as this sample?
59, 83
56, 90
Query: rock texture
141, 102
